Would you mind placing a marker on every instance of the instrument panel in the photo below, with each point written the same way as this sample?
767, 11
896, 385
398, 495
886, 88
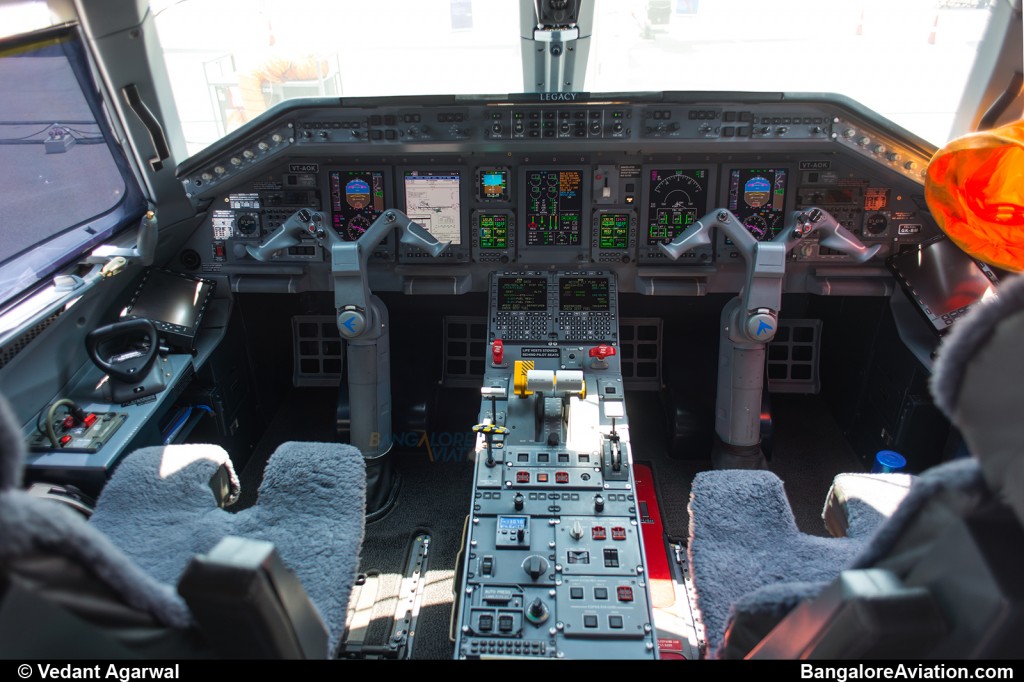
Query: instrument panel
592, 183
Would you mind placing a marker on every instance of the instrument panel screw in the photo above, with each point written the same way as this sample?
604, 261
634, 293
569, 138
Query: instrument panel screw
722, 216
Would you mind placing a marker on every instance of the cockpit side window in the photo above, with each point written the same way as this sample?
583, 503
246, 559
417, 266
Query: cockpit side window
67, 185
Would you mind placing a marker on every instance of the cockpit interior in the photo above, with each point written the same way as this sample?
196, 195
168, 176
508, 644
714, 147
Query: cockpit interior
293, 368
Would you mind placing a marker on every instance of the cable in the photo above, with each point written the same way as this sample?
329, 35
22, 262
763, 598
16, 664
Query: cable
177, 425
51, 414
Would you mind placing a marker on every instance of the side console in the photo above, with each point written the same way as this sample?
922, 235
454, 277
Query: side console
554, 560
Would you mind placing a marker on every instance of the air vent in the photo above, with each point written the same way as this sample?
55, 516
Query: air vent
793, 357
8, 352
317, 351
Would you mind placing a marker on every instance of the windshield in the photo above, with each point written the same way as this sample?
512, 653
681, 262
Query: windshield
908, 60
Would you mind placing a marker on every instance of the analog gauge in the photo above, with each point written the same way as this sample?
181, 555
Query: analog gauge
247, 224
876, 223
356, 228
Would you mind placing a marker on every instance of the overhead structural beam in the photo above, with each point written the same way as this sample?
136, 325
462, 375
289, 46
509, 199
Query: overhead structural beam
556, 43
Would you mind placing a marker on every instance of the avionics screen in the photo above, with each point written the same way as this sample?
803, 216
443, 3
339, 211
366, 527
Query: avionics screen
511, 523
942, 280
357, 199
432, 200
677, 199
583, 294
167, 297
522, 294
554, 207
493, 230
757, 196
493, 184
613, 231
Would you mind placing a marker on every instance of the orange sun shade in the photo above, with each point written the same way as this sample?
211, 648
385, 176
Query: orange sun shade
975, 190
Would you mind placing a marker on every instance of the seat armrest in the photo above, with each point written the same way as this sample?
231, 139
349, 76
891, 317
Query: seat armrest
858, 503
248, 604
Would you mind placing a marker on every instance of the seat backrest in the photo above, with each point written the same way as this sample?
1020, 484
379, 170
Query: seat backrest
954, 548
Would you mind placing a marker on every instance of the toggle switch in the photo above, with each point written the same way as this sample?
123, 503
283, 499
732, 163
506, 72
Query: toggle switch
497, 352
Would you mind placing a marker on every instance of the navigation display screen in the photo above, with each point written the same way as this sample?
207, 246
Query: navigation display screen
583, 294
613, 231
554, 207
493, 230
357, 199
522, 294
757, 196
432, 200
677, 199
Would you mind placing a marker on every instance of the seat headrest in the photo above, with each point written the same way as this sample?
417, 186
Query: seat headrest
979, 383
12, 448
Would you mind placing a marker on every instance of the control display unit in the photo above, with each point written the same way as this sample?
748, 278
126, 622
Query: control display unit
583, 294
522, 294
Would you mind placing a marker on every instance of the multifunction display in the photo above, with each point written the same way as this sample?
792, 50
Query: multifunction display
432, 200
613, 231
677, 199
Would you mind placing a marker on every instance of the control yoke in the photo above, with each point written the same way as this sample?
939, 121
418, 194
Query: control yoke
750, 320
349, 260
362, 317
766, 260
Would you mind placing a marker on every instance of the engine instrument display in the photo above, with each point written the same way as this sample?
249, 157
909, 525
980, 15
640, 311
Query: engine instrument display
554, 208
522, 294
757, 196
677, 199
432, 200
493, 230
357, 199
583, 294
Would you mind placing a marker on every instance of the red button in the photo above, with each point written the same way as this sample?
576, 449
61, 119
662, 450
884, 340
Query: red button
89, 420
64, 440
625, 593
599, 533
618, 533
561, 477
522, 477
497, 352
68, 423
542, 478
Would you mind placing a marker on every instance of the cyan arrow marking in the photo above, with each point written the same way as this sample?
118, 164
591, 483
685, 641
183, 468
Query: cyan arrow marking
350, 325
762, 326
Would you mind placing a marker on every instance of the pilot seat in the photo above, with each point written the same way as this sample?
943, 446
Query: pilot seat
938, 578
72, 588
